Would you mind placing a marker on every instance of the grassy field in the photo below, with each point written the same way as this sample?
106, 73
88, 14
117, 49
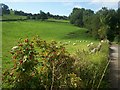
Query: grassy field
63, 32
60, 31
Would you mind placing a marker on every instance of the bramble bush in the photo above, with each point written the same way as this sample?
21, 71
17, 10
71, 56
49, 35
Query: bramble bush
42, 65
57, 65
24, 73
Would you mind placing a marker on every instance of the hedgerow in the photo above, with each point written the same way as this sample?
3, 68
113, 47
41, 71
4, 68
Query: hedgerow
38, 64
42, 65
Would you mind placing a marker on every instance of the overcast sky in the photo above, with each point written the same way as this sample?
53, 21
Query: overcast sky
61, 7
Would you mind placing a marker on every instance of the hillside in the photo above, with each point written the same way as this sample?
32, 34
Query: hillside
46, 30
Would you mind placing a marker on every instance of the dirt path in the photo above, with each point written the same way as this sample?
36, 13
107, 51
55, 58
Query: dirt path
114, 67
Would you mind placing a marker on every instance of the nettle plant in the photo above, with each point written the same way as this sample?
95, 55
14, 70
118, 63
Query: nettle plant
38, 64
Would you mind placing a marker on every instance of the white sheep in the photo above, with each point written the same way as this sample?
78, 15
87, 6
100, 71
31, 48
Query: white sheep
88, 45
74, 44
94, 50
91, 43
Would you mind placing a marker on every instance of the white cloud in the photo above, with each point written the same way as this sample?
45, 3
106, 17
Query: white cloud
102, 1
77, 6
45, 0
105, 3
68, 3
60, 1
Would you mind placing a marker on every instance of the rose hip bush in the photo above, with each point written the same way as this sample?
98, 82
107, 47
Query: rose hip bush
24, 73
38, 64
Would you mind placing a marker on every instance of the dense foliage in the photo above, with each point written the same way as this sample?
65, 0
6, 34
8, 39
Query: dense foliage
79, 16
101, 25
4, 8
38, 64
51, 67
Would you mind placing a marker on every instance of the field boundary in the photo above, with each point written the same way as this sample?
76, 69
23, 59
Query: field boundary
13, 20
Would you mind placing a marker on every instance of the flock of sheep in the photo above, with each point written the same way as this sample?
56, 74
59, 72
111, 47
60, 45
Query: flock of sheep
91, 46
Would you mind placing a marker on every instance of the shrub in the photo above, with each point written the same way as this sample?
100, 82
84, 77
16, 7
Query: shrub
42, 65
58, 64
38, 64
90, 67
24, 73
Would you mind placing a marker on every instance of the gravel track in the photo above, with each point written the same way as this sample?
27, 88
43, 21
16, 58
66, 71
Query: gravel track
114, 74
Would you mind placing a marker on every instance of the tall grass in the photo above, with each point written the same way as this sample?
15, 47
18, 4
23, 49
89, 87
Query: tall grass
92, 68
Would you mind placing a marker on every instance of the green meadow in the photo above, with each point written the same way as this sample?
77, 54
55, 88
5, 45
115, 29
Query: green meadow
73, 37
58, 31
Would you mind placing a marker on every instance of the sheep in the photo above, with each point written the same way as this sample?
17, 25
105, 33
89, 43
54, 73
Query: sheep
93, 50
88, 45
91, 43
74, 44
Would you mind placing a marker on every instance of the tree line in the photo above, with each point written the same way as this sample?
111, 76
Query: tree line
104, 24
41, 15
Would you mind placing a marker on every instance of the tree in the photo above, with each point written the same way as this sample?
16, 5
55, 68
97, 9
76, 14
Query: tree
112, 22
5, 9
76, 17
94, 25
42, 15
86, 16
0, 10
28, 17
118, 25
48, 14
